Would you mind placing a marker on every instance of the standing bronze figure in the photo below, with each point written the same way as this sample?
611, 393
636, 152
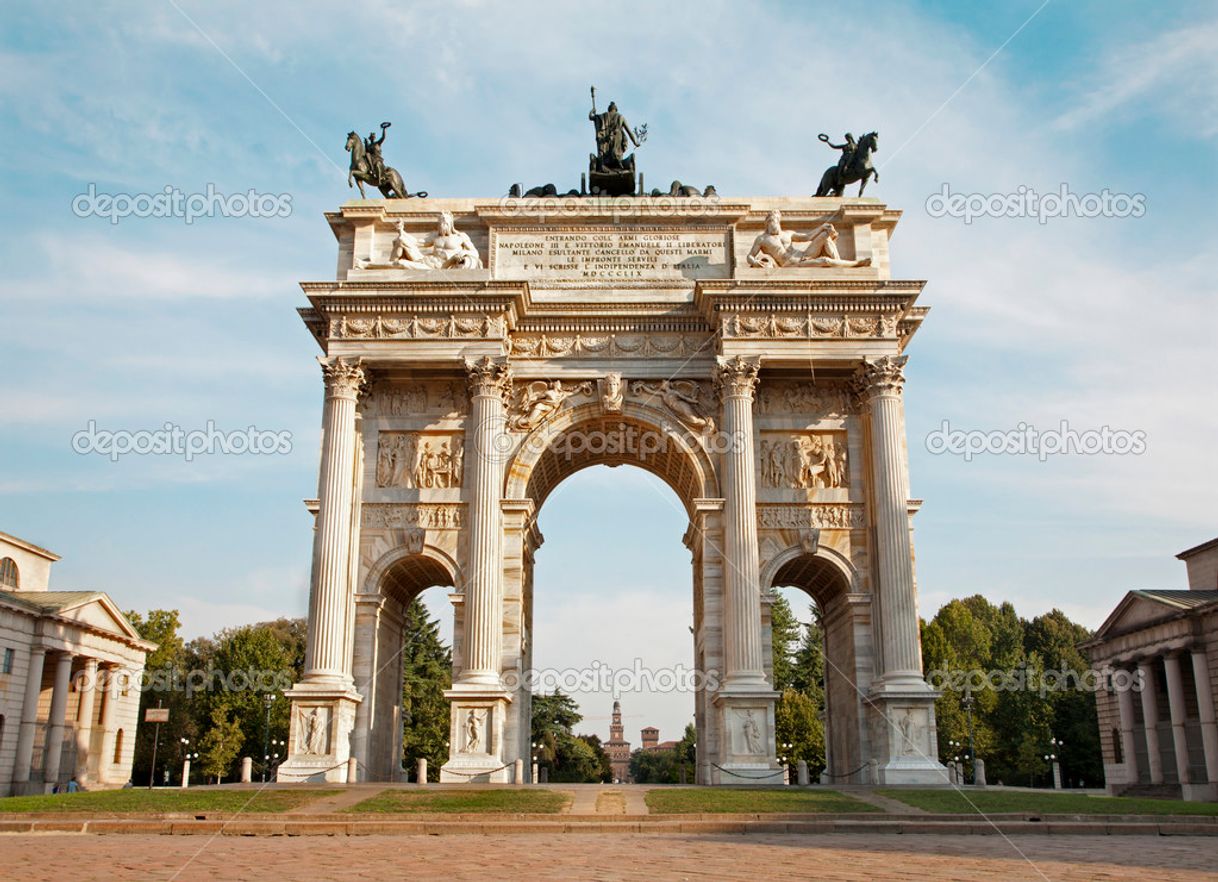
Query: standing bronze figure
610, 168
854, 164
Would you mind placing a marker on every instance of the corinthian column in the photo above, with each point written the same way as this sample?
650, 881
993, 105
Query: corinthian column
743, 659
489, 382
880, 383
325, 655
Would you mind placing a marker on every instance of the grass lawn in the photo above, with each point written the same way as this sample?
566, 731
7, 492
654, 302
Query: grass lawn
142, 800
997, 801
455, 802
691, 800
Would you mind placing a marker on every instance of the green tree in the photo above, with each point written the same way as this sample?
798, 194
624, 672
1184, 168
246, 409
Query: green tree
164, 675
565, 756
797, 721
655, 766
427, 668
220, 745
784, 630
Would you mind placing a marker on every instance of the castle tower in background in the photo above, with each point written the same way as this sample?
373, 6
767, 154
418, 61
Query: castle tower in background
618, 747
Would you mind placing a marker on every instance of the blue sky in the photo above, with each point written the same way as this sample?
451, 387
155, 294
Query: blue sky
1102, 321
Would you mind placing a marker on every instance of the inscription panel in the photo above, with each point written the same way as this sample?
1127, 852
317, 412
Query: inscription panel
611, 253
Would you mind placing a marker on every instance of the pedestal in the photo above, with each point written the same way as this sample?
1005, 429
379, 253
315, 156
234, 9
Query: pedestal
475, 737
320, 735
747, 748
904, 737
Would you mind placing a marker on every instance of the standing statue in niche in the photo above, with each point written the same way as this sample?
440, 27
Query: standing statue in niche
473, 731
776, 247
752, 734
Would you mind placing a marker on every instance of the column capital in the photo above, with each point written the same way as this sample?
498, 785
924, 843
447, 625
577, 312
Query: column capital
343, 377
736, 377
880, 376
489, 377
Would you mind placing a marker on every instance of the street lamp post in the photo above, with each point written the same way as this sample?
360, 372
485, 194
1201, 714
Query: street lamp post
967, 704
1056, 744
268, 699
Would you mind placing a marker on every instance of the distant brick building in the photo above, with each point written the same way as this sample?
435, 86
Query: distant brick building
618, 747
651, 737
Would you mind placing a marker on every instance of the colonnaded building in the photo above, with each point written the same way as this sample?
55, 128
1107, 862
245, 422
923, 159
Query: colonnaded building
749, 352
70, 666
1157, 658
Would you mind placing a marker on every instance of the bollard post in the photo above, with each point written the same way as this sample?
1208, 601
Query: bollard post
421, 771
352, 770
802, 772
518, 771
979, 772
185, 773
247, 769
535, 778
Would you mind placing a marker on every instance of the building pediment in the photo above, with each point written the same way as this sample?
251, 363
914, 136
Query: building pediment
1138, 609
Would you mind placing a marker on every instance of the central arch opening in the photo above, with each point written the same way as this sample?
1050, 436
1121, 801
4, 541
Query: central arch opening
613, 614
612, 606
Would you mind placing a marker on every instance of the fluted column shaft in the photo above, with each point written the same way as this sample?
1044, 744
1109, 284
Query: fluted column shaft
1128, 745
881, 383
84, 718
1205, 712
59, 709
743, 660
325, 652
29, 716
1150, 719
488, 383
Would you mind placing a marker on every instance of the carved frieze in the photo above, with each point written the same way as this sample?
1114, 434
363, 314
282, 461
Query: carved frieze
611, 345
442, 398
416, 327
803, 461
419, 460
811, 327
396, 515
831, 516
807, 400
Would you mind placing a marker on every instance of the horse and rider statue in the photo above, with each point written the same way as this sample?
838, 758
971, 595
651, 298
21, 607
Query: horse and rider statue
853, 165
368, 167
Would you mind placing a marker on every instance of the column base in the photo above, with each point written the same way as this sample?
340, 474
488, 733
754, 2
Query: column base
747, 750
1199, 792
319, 736
476, 752
904, 736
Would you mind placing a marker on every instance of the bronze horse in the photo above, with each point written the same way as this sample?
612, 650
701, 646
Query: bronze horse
390, 183
833, 182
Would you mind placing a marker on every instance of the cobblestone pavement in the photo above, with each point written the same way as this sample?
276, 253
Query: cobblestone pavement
83, 858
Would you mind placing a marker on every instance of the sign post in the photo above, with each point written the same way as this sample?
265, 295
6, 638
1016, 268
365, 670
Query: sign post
156, 715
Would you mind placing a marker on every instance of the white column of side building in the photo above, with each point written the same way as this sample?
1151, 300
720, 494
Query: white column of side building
57, 720
1205, 711
1128, 744
29, 718
743, 661
1150, 718
84, 718
1175, 706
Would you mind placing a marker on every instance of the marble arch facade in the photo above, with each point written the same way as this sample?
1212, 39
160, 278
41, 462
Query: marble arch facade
629, 330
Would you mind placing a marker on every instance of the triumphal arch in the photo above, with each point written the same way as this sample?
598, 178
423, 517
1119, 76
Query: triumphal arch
749, 352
